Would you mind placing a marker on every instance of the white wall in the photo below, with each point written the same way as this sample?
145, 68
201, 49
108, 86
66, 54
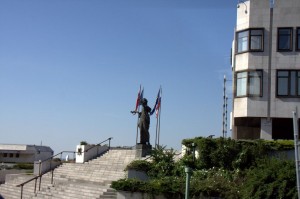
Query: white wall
90, 154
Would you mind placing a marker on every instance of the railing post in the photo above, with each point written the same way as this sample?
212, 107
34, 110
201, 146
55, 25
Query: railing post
40, 182
35, 185
40, 162
52, 176
109, 143
51, 163
22, 191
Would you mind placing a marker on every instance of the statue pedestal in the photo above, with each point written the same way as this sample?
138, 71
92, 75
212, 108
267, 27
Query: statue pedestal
142, 150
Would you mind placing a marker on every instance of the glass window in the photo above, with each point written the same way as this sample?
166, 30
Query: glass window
243, 41
298, 39
255, 82
298, 82
11, 155
249, 83
17, 155
250, 40
285, 36
241, 85
282, 82
256, 38
293, 83
5, 155
288, 83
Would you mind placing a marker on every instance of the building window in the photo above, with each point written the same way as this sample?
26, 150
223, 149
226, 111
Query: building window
11, 155
285, 39
250, 40
298, 39
5, 155
288, 83
17, 155
249, 83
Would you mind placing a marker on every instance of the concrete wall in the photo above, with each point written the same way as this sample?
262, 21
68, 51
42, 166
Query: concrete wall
3, 173
136, 195
43, 167
140, 175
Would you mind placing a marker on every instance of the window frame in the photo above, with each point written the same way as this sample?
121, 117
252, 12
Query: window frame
291, 39
250, 35
296, 86
248, 94
297, 39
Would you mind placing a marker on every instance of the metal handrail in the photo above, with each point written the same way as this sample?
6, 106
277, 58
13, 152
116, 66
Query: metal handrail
52, 169
108, 139
41, 174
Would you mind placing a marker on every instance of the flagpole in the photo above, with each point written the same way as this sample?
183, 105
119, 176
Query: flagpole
159, 116
156, 133
137, 125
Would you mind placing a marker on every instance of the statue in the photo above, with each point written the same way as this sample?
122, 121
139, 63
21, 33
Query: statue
144, 122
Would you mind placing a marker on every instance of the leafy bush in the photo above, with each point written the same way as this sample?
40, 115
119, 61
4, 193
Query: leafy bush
169, 186
131, 185
271, 178
162, 162
83, 143
225, 168
231, 154
25, 166
215, 183
139, 165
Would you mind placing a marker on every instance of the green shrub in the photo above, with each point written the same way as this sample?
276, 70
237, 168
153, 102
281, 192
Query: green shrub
25, 166
169, 186
139, 165
225, 168
271, 178
162, 162
83, 143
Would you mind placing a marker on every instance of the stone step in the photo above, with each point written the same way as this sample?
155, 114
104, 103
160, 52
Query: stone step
77, 181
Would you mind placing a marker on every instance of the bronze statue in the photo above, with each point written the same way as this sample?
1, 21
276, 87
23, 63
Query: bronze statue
144, 122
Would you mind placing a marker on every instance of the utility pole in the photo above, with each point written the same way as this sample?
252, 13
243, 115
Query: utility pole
296, 140
224, 102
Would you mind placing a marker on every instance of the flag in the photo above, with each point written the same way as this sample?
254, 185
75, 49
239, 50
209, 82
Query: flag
158, 107
157, 103
138, 99
141, 97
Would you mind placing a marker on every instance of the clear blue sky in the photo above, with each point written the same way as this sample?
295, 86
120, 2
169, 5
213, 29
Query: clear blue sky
70, 70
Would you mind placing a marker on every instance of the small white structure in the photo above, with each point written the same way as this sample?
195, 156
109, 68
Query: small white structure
18, 153
185, 150
87, 152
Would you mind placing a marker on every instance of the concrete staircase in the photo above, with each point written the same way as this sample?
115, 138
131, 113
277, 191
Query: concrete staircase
77, 181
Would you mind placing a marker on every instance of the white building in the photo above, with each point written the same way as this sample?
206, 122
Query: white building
266, 69
16, 153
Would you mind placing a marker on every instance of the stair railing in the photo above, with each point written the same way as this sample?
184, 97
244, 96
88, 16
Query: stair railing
40, 173
96, 145
52, 169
